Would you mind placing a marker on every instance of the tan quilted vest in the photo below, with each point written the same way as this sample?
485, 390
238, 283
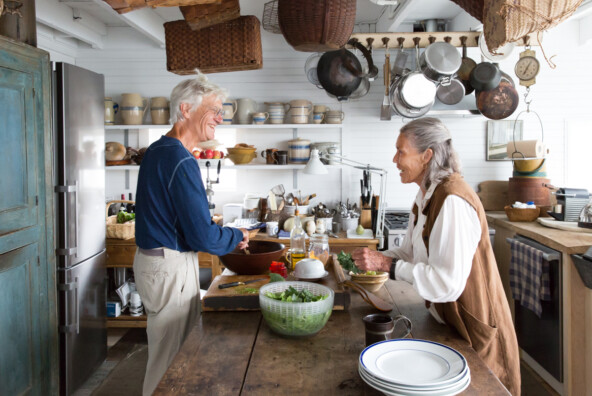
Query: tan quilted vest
481, 314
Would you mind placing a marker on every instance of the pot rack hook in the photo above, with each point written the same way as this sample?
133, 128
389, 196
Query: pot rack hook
431, 39
526, 40
385, 41
370, 40
448, 39
401, 40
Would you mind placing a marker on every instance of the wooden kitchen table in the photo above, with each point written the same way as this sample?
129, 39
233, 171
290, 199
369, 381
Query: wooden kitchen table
236, 353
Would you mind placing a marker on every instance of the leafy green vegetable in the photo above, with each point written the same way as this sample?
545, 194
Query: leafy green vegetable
296, 325
123, 217
293, 295
348, 264
273, 277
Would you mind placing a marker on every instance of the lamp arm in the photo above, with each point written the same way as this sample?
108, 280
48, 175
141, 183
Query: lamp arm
349, 162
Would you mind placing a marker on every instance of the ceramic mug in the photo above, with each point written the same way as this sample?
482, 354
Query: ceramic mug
111, 109
229, 108
317, 118
380, 327
272, 228
260, 118
334, 117
269, 155
133, 108
320, 108
281, 157
159, 110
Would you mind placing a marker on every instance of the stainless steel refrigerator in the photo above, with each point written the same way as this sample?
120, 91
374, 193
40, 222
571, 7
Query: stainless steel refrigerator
79, 172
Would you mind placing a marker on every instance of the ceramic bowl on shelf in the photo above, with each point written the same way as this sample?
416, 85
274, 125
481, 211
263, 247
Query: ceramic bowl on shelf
241, 155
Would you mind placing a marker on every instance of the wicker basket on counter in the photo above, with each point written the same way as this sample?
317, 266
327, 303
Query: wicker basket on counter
316, 25
116, 230
228, 46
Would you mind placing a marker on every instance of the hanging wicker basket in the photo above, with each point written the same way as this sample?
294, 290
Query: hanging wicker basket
205, 15
509, 20
316, 25
228, 46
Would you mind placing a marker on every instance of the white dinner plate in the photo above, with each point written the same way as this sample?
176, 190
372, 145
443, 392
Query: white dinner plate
369, 378
412, 362
394, 391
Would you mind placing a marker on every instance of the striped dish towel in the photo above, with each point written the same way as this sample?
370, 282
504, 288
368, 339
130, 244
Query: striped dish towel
529, 276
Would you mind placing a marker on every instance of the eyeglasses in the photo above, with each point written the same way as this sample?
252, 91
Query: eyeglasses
218, 112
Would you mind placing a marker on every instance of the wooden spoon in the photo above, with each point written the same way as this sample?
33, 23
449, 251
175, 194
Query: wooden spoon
367, 296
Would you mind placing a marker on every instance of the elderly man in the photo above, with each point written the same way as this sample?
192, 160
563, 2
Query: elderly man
173, 223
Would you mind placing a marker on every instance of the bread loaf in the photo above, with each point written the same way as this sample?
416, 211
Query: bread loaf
114, 151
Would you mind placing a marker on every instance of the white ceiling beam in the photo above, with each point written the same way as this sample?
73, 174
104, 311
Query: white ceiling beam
61, 18
394, 16
145, 20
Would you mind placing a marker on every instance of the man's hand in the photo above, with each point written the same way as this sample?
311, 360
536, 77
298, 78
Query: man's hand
245, 242
371, 260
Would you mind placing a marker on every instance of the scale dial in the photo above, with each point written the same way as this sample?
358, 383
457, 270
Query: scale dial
527, 68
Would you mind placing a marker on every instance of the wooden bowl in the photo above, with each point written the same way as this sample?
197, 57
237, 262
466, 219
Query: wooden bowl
258, 261
526, 214
371, 283
241, 158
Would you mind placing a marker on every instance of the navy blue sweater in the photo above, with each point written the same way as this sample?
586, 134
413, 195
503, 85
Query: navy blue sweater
171, 204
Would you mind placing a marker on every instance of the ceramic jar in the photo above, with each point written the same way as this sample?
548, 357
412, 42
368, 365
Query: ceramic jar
299, 111
133, 108
319, 246
159, 110
245, 109
334, 117
229, 107
277, 111
111, 109
298, 151
260, 118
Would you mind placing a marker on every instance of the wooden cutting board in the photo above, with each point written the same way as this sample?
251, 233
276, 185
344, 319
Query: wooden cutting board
493, 194
238, 299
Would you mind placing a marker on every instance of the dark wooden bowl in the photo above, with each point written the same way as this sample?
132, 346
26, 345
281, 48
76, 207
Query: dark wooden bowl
262, 253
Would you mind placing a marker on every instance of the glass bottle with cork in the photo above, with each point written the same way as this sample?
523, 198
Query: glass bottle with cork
297, 242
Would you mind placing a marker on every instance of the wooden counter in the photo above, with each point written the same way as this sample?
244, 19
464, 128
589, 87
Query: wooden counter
235, 353
577, 299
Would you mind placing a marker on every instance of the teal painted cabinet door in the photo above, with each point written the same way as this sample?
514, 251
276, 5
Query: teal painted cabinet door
28, 318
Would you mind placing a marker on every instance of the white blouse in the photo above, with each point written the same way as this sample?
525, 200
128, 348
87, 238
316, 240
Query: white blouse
441, 276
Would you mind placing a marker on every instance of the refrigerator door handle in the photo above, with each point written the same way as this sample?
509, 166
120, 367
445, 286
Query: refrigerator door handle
66, 190
67, 327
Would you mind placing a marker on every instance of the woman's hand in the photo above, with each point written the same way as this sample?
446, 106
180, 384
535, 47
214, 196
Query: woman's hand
371, 260
245, 242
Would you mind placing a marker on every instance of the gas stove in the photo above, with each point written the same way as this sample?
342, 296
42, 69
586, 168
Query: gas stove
395, 227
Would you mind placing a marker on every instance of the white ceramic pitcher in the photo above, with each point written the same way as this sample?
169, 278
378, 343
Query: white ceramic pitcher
245, 110
229, 107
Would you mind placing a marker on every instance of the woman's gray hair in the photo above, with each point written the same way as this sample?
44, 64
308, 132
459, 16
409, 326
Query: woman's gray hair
431, 133
192, 92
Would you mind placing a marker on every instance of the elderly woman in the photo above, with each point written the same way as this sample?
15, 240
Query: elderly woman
446, 254
173, 223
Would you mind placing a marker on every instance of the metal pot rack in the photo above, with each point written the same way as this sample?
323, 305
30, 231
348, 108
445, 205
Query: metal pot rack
375, 40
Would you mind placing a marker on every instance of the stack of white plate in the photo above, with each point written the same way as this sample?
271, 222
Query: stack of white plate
414, 367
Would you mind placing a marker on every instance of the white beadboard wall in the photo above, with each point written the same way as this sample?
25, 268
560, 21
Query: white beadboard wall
131, 63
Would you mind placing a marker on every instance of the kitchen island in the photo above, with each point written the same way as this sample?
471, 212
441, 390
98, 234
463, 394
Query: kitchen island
234, 353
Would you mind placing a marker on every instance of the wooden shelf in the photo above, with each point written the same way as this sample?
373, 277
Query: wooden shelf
225, 165
233, 126
472, 39
127, 321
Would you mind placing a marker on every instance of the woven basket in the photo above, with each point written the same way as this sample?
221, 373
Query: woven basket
119, 231
473, 7
204, 15
225, 47
509, 20
270, 17
316, 25
123, 6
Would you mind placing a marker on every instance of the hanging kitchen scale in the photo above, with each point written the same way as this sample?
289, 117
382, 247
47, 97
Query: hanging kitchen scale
528, 66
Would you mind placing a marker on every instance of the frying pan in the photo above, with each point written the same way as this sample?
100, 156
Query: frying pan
499, 102
466, 67
452, 93
485, 76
